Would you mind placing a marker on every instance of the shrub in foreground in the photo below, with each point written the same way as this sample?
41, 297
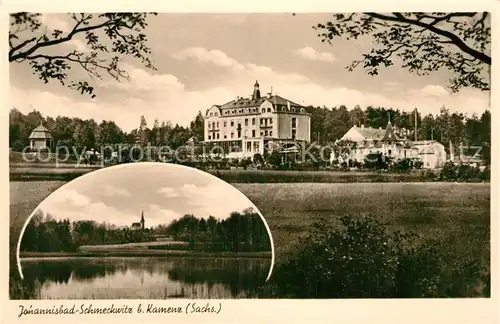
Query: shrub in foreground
362, 260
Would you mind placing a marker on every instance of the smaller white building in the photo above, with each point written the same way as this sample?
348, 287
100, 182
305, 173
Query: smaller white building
390, 142
368, 140
430, 152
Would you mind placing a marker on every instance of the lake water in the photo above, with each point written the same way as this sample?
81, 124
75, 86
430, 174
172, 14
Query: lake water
142, 277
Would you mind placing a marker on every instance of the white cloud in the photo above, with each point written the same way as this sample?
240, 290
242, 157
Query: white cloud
169, 192
390, 83
244, 73
310, 53
433, 90
155, 215
202, 55
80, 45
114, 191
215, 199
72, 205
165, 97
55, 22
68, 197
63, 23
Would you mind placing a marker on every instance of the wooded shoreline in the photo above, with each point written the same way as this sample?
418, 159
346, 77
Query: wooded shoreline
143, 253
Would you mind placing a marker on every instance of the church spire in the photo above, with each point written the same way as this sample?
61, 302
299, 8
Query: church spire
390, 135
256, 91
142, 219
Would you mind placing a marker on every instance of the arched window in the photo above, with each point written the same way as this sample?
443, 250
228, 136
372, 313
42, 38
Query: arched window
268, 109
263, 110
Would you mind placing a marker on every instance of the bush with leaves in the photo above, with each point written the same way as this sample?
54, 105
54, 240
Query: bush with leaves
362, 260
403, 165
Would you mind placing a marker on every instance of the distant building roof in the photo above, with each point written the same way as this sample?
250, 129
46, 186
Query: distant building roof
425, 142
389, 134
40, 132
249, 102
427, 150
370, 132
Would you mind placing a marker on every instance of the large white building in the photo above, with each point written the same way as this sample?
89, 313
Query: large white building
243, 127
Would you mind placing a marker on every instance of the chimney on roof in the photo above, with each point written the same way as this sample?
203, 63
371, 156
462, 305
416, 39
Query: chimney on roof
288, 105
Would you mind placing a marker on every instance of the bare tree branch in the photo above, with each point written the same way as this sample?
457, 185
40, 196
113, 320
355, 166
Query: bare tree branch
425, 42
123, 30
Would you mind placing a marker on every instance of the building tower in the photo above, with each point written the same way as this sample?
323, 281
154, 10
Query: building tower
256, 91
142, 219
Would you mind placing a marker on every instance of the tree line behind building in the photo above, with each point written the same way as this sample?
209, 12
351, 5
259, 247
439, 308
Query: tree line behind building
327, 126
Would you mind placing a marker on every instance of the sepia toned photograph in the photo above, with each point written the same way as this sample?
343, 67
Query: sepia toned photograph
145, 230
351, 153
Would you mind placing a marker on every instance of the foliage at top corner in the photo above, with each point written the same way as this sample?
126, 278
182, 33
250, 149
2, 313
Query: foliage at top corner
107, 39
421, 43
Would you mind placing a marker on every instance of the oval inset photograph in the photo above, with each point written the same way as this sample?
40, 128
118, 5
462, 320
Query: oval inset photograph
145, 230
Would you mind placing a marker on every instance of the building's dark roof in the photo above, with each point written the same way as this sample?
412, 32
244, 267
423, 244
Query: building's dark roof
427, 150
249, 102
370, 132
390, 135
136, 224
40, 132
425, 142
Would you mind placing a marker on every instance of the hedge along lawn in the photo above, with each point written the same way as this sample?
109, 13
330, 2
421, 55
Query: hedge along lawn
292, 176
457, 215
41, 172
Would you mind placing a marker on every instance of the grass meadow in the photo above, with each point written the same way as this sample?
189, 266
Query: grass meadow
455, 214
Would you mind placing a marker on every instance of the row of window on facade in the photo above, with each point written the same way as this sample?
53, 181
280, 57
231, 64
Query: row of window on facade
254, 110
262, 133
263, 122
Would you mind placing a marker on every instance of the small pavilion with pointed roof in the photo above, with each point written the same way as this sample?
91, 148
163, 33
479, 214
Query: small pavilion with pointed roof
41, 138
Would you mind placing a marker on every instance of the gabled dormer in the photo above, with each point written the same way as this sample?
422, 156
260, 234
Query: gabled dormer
214, 111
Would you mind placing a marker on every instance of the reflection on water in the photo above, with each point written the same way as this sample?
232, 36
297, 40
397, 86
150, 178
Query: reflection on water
141, 277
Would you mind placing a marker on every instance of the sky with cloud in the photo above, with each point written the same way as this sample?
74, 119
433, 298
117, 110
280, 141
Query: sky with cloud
206, 59
165, 192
